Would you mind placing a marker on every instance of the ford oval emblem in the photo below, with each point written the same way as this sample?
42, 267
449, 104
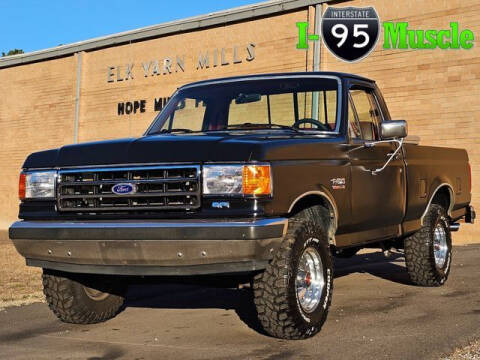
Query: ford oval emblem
124, 189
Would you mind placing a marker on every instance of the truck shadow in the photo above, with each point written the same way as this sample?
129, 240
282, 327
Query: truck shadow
376, 264
171, 295
184, 296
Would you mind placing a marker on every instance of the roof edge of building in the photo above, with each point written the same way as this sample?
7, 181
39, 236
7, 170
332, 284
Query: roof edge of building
192, 23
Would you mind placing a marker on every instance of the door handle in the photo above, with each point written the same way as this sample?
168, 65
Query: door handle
390, 154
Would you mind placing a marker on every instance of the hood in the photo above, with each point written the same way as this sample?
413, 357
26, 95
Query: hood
181, 148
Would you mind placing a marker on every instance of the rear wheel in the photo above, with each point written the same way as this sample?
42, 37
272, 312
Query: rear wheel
293, 294
83, 299
428, 252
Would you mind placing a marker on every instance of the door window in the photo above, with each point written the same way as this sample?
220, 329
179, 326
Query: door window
367, 112
353, 127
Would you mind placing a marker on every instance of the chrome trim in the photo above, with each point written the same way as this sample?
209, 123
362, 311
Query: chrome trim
109, 166
126, 224
392, 129
440, 245
60, 184
309, 279
454, 227
452, 200
126, 168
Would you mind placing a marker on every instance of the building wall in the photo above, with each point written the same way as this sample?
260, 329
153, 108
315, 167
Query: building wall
274, 49
37, 103
436, 91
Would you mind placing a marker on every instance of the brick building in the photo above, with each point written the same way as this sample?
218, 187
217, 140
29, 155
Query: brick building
113, 86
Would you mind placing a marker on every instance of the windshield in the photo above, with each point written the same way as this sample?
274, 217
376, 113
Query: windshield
295, 103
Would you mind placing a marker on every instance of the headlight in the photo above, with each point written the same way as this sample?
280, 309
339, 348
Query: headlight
37, 184
237, 179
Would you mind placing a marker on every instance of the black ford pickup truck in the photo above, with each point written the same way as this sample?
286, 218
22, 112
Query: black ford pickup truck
264, 176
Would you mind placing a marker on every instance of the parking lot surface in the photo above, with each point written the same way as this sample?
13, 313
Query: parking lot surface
376, 314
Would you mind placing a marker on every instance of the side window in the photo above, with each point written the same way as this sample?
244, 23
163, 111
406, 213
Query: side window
367, 112
353, 127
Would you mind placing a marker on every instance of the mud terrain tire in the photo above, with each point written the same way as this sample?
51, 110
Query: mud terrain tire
420, 249
83, 299
278, 305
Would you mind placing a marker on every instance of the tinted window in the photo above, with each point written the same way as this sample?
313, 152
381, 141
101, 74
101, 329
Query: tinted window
367, 111
189, 114
309, 103
353, 127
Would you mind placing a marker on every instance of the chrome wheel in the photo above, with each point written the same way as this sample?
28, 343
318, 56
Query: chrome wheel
310, 281
440, 246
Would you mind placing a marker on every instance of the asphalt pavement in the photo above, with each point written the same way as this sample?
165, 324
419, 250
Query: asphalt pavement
376, 314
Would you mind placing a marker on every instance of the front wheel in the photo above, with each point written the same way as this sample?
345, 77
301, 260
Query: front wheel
293, 294
428, 252
83, 299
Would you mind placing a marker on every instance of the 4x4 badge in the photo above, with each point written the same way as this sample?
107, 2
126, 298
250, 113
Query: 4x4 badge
338, 183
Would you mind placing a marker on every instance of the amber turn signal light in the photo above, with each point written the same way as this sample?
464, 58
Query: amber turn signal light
257, 180
22, 186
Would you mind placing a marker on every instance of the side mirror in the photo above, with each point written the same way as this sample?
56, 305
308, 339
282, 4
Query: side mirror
393, 129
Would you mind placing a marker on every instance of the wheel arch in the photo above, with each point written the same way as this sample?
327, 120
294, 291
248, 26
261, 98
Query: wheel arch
443, 195
314, 198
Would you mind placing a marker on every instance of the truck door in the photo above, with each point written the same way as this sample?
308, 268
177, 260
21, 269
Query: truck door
377, 201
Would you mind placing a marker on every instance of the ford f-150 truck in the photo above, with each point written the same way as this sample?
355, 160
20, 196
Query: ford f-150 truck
264, 176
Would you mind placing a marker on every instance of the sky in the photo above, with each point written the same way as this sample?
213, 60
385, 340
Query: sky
34, 25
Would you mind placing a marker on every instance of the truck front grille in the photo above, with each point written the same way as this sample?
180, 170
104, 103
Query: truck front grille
153, 188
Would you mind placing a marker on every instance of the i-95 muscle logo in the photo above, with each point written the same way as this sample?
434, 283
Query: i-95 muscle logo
350, 33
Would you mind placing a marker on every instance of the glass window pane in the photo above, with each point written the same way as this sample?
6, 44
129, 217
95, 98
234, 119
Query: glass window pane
230, 104
251, 112
327, 108
368, 113
188, 114
353, 129
282, 109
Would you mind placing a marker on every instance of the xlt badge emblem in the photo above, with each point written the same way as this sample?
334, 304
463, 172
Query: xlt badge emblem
338, 183
124, 189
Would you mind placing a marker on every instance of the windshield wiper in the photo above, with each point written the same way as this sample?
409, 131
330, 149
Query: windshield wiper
248, 125
167, 131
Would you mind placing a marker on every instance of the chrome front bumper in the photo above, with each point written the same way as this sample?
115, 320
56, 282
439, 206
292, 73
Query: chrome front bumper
182, 247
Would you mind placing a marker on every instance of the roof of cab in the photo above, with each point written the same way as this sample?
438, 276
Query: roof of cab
257, 76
